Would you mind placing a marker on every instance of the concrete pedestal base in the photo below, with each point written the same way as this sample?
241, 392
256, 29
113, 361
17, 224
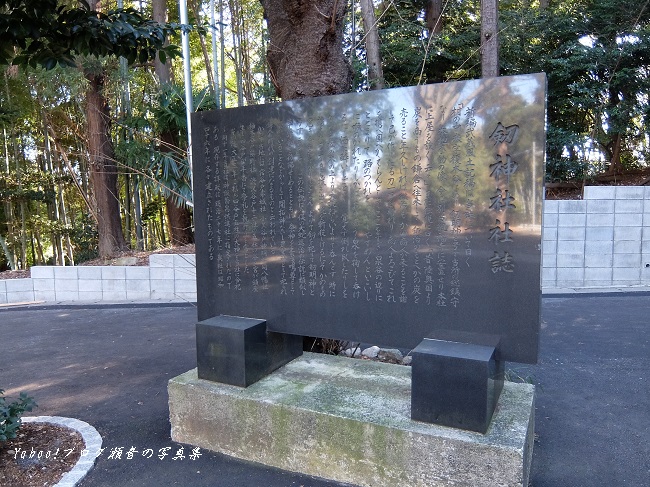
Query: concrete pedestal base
349, 420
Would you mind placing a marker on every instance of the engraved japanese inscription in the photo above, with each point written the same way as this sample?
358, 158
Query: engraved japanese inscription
379, 217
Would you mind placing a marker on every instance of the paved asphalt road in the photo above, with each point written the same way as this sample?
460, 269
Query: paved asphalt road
109, 366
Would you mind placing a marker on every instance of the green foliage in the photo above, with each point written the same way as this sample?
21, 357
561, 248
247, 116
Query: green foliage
598, 94
410, 56
30, 184
169, 112
161, 164
48, 34
11, 412
169, 168
84, 239
595, 53
151, 212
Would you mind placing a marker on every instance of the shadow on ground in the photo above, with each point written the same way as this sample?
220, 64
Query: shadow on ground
109, 366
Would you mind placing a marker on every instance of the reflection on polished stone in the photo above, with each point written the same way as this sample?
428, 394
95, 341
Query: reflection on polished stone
377, 217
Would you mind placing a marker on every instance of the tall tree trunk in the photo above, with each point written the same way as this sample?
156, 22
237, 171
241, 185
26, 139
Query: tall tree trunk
137, 211
489, 38
433, 16
23, 237
247, 73
215, 55
204, 50
161, 215
23, 231
9, 255
618, 117
180, 220
305, 57
8, 206
103, 170
163, 70
373, 56
180, 223
615, 166
66, 222
305, 54
56, 188
235, 28
39, 247
126, 134
222, 52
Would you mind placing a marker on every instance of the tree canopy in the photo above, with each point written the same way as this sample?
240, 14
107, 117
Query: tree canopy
595, 53
56, 55
46, 33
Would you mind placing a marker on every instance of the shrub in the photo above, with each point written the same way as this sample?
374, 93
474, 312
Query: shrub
10, 413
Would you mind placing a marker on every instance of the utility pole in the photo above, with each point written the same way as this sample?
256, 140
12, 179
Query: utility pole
215, 58
189, 103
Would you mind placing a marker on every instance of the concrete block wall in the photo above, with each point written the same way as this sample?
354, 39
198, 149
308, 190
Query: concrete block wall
601, 241
16, 291
172, 277
168, 277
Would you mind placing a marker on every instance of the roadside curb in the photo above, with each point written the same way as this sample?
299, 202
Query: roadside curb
92, 440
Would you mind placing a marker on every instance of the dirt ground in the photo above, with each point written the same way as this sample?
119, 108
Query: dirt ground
574, 191
39, 455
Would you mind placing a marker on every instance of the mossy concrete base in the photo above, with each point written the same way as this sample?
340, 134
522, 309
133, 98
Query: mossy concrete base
349, 420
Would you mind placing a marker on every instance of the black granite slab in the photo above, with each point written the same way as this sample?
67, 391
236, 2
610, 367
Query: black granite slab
377, 217
456, 383
240, 351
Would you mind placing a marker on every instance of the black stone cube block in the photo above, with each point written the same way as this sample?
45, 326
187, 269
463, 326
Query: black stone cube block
240, 351
456, 383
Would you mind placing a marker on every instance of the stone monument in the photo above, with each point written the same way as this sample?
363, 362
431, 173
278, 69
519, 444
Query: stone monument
408, 218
